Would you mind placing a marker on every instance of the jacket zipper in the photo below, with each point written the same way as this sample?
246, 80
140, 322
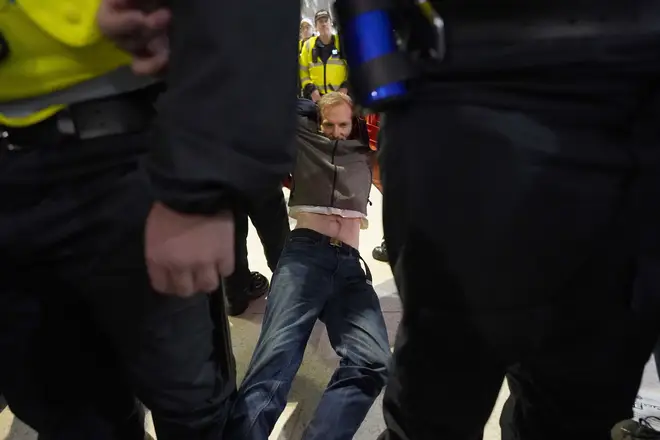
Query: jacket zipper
325, 79
334, 177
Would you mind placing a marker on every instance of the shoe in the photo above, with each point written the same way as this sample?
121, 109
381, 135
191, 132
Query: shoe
632, 430
380, 253
258, 287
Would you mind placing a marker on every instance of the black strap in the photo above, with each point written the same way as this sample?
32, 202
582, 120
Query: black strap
370, 280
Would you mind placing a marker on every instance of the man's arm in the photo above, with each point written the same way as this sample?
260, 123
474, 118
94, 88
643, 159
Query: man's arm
225, 127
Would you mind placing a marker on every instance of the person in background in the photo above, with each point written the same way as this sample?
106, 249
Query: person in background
373, 127
322, 67
306, 32
320, 277
270, 219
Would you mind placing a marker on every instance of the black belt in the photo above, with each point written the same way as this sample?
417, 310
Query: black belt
329, 241
128, 113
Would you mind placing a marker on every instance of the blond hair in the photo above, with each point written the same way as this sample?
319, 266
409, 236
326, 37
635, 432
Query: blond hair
333, 99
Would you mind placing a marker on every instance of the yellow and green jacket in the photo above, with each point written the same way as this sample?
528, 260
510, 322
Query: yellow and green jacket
317, 74
49, 46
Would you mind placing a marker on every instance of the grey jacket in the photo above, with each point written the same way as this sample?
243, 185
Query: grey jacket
330, 173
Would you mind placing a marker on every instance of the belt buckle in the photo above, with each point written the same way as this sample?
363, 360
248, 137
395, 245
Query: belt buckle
336, 242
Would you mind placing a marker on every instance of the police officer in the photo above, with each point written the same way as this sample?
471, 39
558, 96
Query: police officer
81, 327
527, 146
322, 68
306, 32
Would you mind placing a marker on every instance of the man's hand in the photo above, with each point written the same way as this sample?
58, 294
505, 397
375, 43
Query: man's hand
316, 96
142, 34
188, 254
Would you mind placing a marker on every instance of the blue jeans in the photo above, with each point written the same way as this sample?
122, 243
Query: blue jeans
315, 279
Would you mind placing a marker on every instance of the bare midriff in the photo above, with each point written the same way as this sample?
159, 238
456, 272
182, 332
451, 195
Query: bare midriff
346, 230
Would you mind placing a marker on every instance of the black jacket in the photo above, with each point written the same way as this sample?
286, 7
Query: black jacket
223, 132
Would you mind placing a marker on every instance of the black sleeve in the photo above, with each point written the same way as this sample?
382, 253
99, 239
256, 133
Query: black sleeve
226, 124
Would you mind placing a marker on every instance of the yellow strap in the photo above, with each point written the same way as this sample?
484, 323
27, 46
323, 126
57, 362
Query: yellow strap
34, 118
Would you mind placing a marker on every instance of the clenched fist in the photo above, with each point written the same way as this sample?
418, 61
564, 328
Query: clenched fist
188, 254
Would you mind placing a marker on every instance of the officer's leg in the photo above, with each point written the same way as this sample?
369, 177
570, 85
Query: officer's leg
168, 345
237, 286
20, 323
52, 358
271, 220
517, 217
58, 373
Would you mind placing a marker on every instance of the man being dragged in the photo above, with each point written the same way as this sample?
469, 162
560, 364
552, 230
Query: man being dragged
320, 276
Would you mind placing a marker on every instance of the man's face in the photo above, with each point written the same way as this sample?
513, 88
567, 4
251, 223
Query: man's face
305, 31
337, 122
324, 26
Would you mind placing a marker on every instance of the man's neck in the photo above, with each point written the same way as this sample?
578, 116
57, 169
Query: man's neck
326, 39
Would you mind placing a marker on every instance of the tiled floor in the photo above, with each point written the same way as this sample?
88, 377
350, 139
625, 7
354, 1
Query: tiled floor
319, 360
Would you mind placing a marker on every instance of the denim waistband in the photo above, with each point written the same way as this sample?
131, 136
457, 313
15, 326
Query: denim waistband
333, 242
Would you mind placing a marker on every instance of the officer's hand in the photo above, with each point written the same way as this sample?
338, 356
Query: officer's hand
188, 254
316, 96
141, 34
343, 90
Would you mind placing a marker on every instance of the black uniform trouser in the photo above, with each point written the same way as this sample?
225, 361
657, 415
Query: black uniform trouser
271, 220
517, 177
81, 331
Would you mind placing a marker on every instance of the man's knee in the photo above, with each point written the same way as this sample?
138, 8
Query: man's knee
373, 363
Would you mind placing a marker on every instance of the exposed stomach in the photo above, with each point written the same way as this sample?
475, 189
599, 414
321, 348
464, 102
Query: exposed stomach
346, 230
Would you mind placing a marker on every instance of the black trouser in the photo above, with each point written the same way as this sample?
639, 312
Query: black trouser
270, 219
520, 173
80, 327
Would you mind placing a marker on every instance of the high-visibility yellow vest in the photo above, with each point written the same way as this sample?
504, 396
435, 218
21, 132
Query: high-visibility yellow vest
53, 45
327, 77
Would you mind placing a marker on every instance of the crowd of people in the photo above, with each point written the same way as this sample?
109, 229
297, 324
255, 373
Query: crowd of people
520, 176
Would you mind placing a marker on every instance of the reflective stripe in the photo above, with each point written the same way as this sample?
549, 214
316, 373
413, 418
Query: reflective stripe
118, 81
336, 62
311, 65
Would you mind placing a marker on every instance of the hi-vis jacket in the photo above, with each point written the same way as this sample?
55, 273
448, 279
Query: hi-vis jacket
326, 77
46, 46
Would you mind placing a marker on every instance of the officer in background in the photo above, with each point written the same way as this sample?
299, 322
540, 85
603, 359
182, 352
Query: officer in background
306, 32
322, 68
513, 174
80, 326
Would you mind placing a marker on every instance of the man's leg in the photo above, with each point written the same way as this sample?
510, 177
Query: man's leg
237, 286
271, 220
357, 332
300, 287
519, 214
